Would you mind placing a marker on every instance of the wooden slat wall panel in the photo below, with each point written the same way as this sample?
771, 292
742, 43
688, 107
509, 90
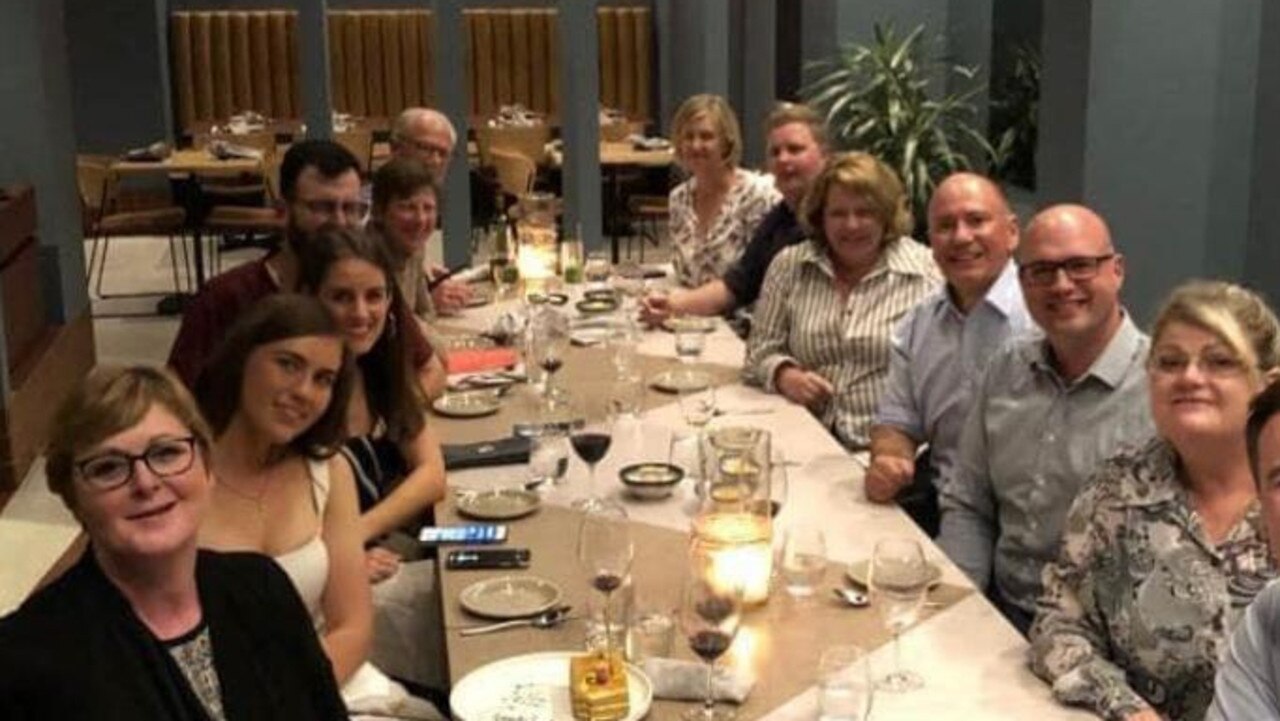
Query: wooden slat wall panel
553, 64
411, 58
335, 26
182, 71
281, 97
521, 22
295, 67
351, 39
241, 79
503, 62
642, 31
484, 100
426, 31
626, 64
220, 45
374, 91
202, 62
392, 63
607, 26
260, 48
539, 62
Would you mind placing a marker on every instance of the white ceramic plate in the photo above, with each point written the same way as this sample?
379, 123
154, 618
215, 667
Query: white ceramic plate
510, 597
496, 687
468, 404
681, 380
498, 505
858, 572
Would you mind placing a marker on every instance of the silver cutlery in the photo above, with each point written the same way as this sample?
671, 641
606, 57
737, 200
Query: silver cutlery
546, 619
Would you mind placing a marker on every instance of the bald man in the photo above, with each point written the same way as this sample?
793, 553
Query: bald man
427, 135
941, 348
1047, 411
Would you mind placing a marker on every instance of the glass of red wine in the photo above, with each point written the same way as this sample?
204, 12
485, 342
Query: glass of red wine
591, 442
605, 550
550, 330
710, 614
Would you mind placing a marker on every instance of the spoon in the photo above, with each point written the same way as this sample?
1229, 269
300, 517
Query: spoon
856, 599
546, 619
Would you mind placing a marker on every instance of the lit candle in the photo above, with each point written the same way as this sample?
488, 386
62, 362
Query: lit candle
739, 545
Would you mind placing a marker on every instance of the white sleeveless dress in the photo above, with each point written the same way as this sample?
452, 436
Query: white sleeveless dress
368, 691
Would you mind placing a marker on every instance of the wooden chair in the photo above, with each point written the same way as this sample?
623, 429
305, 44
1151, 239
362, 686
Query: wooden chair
103, 221
248, 220
514, 172
649, 213
530, 141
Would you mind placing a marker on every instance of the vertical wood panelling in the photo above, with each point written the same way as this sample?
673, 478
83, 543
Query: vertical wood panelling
242, 84
374, 92
426, 31
503, 63
202, 60
626, 53
539, 62
337, 61
607, 26
521, 20
392, 61
294, 60
182, 77
643, 24
553, 63
281, 106
482, 43
411, 56
356, 104
260, 67
220, 47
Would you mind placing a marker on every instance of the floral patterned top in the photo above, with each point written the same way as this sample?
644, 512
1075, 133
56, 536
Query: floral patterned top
1140, 604
699, 258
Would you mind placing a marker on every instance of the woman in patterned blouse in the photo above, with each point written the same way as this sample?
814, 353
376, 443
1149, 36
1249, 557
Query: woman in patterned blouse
1164, 547
714, 212
828, 307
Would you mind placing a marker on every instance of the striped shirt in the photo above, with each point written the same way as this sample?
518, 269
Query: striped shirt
801, 319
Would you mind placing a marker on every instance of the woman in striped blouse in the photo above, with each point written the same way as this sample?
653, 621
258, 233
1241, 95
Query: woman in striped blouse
829, 306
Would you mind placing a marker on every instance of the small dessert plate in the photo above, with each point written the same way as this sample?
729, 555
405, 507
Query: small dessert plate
859, 573
510, 597
533, 686
680, 380
467, 404
596, 306
502, 504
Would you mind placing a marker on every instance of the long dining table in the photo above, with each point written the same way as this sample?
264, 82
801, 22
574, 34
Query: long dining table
972, 661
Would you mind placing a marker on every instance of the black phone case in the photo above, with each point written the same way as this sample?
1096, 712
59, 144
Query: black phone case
482, 558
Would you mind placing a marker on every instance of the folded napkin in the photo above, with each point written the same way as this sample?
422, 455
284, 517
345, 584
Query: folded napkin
502, 452
687, 681
152, 153
473, 360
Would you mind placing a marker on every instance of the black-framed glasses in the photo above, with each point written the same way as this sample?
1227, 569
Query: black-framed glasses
1079, 268
331, 208
110, 470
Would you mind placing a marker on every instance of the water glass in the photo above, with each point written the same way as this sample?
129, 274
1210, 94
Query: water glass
651, 635
804, 560
844, 684
597, 268
685, 451
690, 340
548, 457
628, 395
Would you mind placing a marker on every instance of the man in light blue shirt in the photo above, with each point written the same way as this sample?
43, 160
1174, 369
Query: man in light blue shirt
1248, 681
941, 348
1046, 412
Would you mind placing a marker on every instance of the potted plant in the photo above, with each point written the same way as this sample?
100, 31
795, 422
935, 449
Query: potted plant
876, 98
1015, 101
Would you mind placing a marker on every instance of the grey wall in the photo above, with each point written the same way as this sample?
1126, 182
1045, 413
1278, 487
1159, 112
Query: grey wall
1064, 88
1262, 256
37, 143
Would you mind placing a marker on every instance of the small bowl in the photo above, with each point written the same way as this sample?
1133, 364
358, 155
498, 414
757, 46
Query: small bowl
651, 481
604, 294
592, 306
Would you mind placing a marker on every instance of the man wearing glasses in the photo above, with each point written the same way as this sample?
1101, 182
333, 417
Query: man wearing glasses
427, 135
941, 348
319, 187
1046, 412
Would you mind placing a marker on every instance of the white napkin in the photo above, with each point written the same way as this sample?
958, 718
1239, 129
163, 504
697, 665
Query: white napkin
687, 680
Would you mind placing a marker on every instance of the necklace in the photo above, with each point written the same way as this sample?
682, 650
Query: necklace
255, 498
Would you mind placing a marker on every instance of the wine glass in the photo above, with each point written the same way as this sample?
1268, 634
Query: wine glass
710, 613
691, 338
549, 331
548, 458
898, 579
591, 442
605, 550
698, 408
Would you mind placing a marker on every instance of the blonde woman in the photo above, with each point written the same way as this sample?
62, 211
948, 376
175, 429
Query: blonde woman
714, 212
1164, 547
826, 314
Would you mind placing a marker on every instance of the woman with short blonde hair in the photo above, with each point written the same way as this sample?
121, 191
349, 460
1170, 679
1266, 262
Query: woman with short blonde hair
714, 212
821, 334
1164, 547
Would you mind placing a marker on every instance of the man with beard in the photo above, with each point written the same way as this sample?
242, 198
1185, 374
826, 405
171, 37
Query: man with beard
319, 187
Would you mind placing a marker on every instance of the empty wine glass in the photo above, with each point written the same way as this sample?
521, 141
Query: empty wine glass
549, 333
898, 580
698, 407
710, 613
605, 550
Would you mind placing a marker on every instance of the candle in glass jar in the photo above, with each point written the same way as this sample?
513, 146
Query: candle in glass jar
741, 553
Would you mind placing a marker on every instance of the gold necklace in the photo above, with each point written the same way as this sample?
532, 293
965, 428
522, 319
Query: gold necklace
255, 499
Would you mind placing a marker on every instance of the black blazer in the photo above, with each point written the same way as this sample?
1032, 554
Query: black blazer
76, 650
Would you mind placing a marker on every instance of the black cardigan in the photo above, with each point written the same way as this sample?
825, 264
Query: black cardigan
76, 650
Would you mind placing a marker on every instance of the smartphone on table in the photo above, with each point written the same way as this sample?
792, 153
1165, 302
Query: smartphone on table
481, 558
469, 534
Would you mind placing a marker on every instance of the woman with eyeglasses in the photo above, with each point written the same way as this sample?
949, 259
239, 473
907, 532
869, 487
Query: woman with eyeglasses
828, 307
1164, 546
145, 626
276, 394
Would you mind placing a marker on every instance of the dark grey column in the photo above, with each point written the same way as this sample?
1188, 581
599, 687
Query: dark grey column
580, 118
37, 146
759, 63
1262, 257
313, 51
664, 22
1064, 90
968, 32
1169, 136
714, 46
450, 48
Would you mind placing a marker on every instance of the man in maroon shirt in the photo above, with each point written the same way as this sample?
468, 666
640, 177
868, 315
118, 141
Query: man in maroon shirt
319, 186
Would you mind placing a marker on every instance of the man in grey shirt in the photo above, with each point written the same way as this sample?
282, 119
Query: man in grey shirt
941, 348
1047, 411
1248, 681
